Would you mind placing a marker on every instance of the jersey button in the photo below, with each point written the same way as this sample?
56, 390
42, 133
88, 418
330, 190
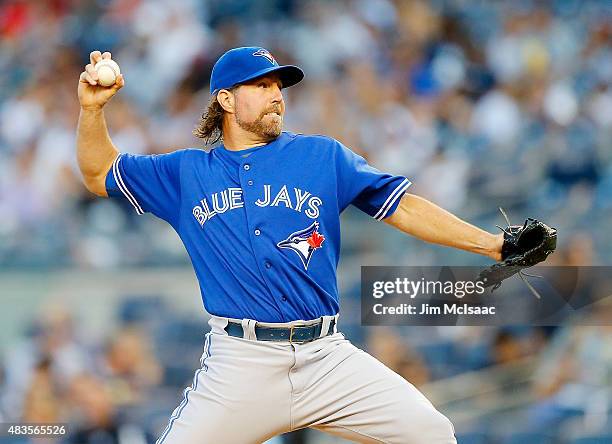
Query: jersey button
246, 167
257, 231
268, 265
250, 182
284, 298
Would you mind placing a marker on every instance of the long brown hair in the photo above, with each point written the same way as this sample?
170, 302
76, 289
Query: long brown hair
210, 126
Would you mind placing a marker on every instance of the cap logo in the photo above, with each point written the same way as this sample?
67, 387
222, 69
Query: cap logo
266, 54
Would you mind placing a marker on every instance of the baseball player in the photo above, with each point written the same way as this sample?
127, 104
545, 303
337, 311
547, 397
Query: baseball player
259, 216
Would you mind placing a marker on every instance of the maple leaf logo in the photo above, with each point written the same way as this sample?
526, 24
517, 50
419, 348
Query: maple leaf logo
315, 240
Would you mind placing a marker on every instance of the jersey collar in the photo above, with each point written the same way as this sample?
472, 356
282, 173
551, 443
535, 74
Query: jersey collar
249, 153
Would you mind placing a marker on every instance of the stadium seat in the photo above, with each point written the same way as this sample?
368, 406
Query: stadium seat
529, 438
439, 357
473, 438
599, 439
141, 308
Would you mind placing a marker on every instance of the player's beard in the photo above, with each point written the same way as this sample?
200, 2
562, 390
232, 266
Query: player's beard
270, 129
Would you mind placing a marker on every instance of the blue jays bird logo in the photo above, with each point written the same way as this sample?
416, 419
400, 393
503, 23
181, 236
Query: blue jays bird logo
266, 54
304, 242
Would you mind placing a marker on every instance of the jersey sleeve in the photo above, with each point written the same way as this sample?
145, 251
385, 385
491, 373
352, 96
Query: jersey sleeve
372, 191
150, 183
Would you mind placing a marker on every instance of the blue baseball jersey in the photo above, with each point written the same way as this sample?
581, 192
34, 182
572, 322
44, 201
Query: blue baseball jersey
261, 225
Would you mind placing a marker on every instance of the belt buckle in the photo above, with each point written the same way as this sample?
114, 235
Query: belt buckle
291, 341
303, 341
291, 334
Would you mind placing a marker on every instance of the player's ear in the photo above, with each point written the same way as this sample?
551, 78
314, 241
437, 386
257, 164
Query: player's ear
226, 100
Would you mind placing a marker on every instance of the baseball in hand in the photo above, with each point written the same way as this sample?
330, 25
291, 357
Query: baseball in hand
107, 70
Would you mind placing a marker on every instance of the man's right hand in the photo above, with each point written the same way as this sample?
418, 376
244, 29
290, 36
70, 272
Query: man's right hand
91, 94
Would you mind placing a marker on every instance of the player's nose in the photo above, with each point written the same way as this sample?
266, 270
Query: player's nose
277, 95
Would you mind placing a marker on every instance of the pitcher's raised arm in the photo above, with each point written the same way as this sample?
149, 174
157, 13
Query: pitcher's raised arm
95, 150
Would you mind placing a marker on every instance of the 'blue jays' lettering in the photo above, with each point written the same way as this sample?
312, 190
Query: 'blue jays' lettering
231, 198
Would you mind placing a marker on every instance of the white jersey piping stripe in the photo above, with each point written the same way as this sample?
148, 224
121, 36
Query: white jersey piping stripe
382, 208
391, 199
119, 183
400, 194
123, 188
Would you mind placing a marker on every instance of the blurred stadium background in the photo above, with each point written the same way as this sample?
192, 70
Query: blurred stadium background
483, 104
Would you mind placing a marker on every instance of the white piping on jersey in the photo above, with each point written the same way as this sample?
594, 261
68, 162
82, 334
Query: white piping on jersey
391, 199
123, 188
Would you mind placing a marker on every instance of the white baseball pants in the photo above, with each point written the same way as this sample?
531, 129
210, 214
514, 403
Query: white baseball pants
247, 391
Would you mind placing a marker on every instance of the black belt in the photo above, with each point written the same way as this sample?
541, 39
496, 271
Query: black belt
295, 333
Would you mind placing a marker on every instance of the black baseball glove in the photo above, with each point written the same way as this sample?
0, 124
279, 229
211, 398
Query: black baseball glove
524, 246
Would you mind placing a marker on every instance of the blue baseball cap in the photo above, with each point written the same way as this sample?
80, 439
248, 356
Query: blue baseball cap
240, 65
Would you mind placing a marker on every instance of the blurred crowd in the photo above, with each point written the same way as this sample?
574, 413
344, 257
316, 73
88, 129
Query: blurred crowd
481, 104
56, 375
